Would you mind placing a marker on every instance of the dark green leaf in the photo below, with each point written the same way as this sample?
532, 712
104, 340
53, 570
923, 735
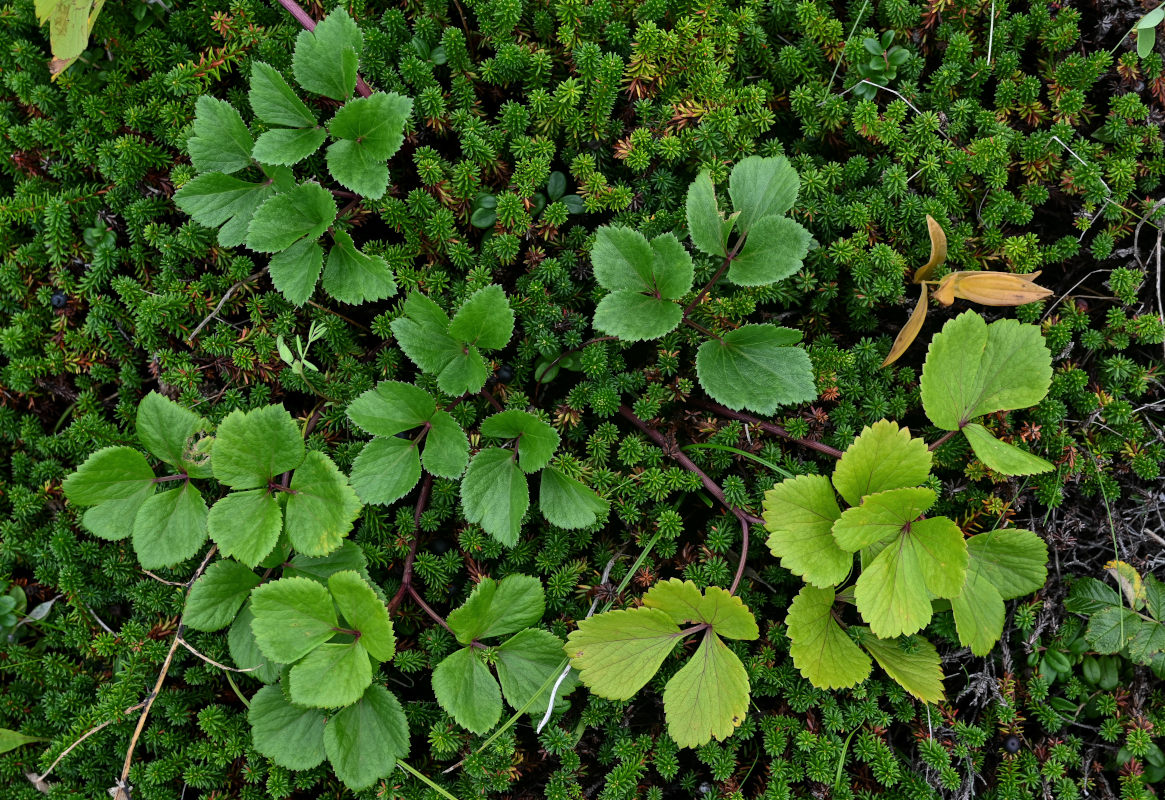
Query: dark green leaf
755, 367
495, 495
274, 102
304, 212
221, 141
170, 527
291, 736
296, 270
322, 506
365, 740
325, 59
355, 277
112, 473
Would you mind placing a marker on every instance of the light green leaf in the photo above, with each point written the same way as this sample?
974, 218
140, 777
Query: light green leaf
524, 663
1002, 457
274, 102
774, 249
624, 260
296, 270
799, 515
705, 224
348, 557
422, 331
112, 473
465, 373
216, 597
356, 277
880, 516
391, 408
170, 527
287, 146
245, 651
485, 319
365, 740
537, 440
365, 612
376, 123
708, 698
221, 141
251, 448
325, 59
386, 470
727, 614
330, 676
213, 200
495, 494
246, 525
635, 317
918, 671
446, 447
979, 612
883, 457
1110, 629
293, 616
1147, 642
1146, 39
166, 429
568, 503
498, 608
762, 187
465, 688
10, 740
755, 367
304, 212
113, 519
680, 600
1013, 561
321, 508
618, 652
973, 369
821, 650
291, 736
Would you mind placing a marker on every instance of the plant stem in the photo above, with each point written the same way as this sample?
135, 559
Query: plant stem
309, 24
493, 401
942, 439
820, 447
701, 329
708, 286
406, 580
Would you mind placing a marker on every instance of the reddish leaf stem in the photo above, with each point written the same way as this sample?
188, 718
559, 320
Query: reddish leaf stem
942, 439
820, 447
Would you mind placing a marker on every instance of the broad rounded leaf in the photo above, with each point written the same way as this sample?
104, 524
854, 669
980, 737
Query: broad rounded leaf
166, 428
727, 614
622, 259
485, 319
465, 688
354, 168
799, 514
762, 187
304, 212
774, 249
821, 650
365, 740
287, 146
679, 599
497, 608
568, 503
755, 367
708, 698
320, 568
322, 506
1013, 561
216, 597
296, 271
325, 59
365, 612
391, 408
495, 494
330, 676
979, 612
291, 736
635, 317
375, 123
883, 457
705, 225
917, 670
246, 525
112, 473
1002, 457
170, 527
618, 652
525, 662
1111, 629
245, 651
221, 140
220, 201
386, 470
353, 276
293, 616
537, 440
253, 447
880, 516
274, 102
112, 520
446, 447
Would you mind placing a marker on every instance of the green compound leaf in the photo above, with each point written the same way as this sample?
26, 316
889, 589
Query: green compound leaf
221, 140
774, 249
293, 616
446, 447
495, 494
979, 611
392, 407
330, 676
355, 277
304, 212
369, 130
568, 503
883, 457
246, 525
251, 448
683, 602
821, 650
1111, 629
1148, 640
708, 698
112, 520
973, 369
537, 440
296, 270
422, 331
618, 652
755, 367
291, 736
288, 146
349, 557
216, 597
166, 429
524, 663
880, 516
914, 665
1002, 457
635, 317
498, 608
465, 688
762, 187
365, 612
112, 473
1013, 561
365, 740
624, 260
799, 514
485, 319
705, 224
245, 651
276, 103
170, 527
220, 201
325, 59
928, 557
321, 508
386, 470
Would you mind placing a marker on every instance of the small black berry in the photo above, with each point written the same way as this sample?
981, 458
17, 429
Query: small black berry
505, 373
59, 299
1011, 744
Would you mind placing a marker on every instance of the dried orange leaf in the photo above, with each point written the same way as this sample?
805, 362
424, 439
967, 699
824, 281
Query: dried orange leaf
938, 250
909, 331
990, 288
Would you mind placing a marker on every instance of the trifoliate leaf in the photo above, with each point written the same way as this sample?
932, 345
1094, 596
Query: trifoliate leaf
246, 653
1111, 628
465, 688
821, 650
762, 187
330, 676
166, 430
368, 131
880, 516
112, 473
365, 612
352, 276
705, 224
221, 141
321, 508
274, 102
883, 457
916, 667
774, 249
495, 494
524, 663
246, 525
287, 146
170, 527
291, 736
708, 698
391, 408
1013, 561
365, 740
799, 514
498, 608
386, 470
112, 520
973, 369
1088, 596
537, 440
293, 616
296, 271
325, 59
1002, 457
302, 213
624, 260
446, 447
348, 557
618, 652
568, 503
216, 597
485, 319
755, 367
635, 317
422, 331
251, 448
215, 200
979, 612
